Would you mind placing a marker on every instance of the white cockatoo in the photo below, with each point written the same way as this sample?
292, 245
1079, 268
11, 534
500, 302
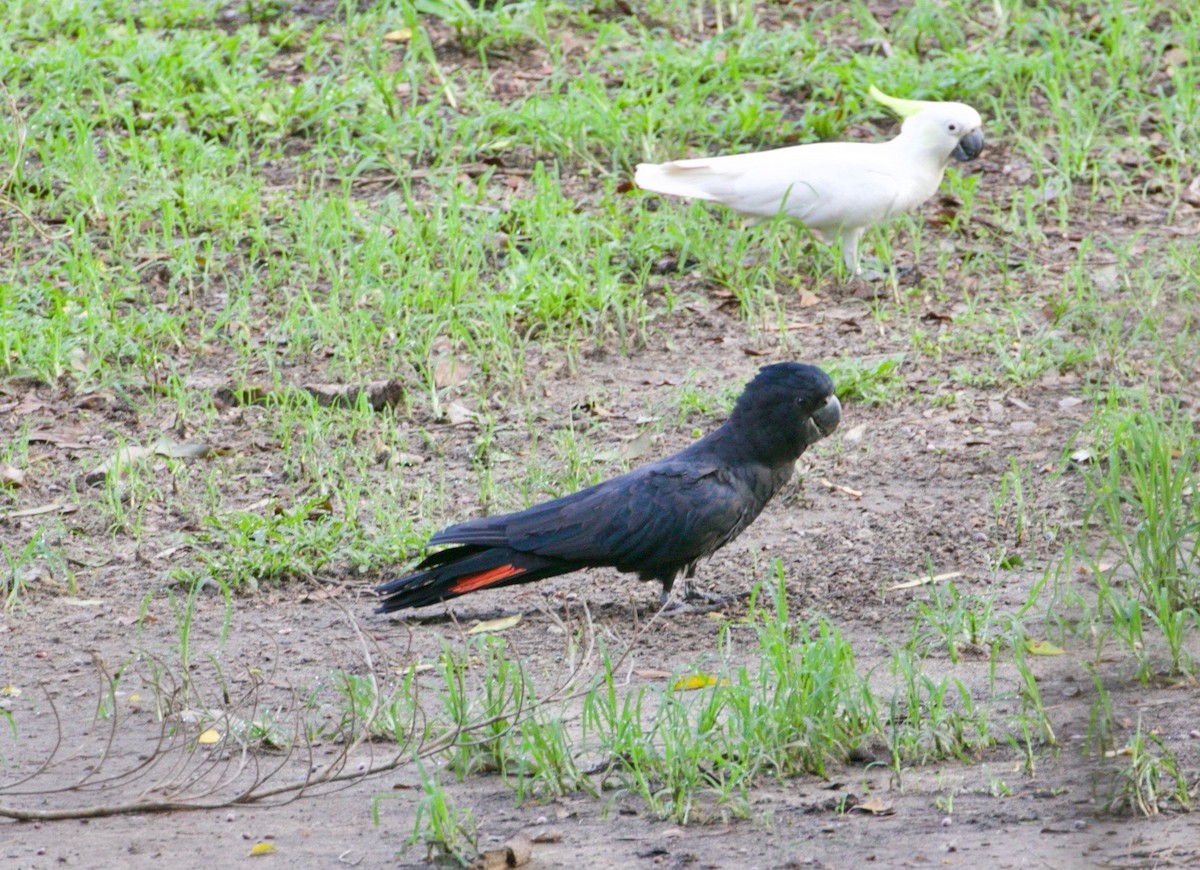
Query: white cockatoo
836, 189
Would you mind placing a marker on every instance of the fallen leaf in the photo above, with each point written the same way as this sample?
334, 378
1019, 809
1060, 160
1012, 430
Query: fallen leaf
404, 34
406, 459
113, 465
1042, 648
504, 623
875, 807
693, 682
181, 449
82, 602
52, 508
449, 372
325, 593
924, 581
791, 326
28, 405
515, 852
807, 299
854, 435
131, 453
639, 446
1191, 193
69, 440
10, 475
459, 415
261, 849
651, 673
209, 737
592, 405
10, 691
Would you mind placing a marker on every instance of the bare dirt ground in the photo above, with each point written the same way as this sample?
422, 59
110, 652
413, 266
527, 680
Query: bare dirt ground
899, 489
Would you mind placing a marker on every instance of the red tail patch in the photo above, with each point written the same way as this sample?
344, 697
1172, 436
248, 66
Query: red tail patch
485, 578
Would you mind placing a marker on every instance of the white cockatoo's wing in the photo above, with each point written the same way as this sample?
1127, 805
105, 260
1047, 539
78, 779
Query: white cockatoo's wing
836, 189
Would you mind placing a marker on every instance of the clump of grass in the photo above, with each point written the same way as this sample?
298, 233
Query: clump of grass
1142, 489
871, 383
446, 831
1146, 777
243, 550
688, 751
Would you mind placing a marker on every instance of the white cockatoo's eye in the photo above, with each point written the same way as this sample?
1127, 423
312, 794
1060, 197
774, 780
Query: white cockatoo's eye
952, 127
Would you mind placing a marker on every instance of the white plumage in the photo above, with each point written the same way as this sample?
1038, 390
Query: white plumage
836, 189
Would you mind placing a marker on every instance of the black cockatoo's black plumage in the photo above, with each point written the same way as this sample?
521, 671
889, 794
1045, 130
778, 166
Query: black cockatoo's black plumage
655, 521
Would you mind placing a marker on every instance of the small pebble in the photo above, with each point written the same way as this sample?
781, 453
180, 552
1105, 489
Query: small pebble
947, 822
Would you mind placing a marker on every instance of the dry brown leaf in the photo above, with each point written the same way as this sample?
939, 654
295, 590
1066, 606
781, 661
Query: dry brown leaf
113, 465
325, 593
10, 475
875, 807
52, 508
639, 446
449, 372
131, 453
651, 673
459, 415
791, 326
515, 852
28, 405
854, 435
406, 459
1191, 193
60, 438
592, 405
